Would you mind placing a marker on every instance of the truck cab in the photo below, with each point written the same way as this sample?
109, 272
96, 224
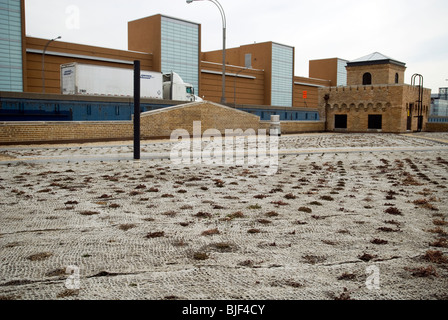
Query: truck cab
174, 88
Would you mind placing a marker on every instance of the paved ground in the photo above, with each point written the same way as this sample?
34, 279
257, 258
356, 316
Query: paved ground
360, 216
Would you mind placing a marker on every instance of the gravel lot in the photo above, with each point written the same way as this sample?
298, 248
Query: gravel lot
347, 216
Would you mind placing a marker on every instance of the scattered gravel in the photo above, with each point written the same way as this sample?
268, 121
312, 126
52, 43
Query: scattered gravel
339, 207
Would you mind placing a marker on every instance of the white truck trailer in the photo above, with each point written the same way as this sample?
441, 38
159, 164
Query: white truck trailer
85, 79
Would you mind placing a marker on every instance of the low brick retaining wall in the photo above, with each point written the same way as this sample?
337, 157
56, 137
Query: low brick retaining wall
154, 124
437, 127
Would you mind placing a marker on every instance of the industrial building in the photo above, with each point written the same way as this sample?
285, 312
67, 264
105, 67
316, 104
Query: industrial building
366, 94
439, 103
333, 69
12, 46
263, 85
376, 99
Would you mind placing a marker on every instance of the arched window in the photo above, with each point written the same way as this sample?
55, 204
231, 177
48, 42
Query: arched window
366, 79
396, 78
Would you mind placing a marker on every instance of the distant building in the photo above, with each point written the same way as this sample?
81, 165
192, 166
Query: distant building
375, 98
366, 94
277, 61
375, 69
12, 32
259, 76
333, 69
439, 103
174, 44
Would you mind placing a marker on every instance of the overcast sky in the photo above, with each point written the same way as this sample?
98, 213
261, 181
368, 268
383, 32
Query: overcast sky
414, 32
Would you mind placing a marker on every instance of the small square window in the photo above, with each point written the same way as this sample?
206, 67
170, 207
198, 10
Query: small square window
340, 121
375, 121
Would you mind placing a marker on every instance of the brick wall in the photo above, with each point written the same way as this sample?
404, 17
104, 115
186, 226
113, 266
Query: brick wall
154, 124
437, 127
358, 102
161, 123
246, 88
60, 52
311, 86
381, 74
291, 127
40, 132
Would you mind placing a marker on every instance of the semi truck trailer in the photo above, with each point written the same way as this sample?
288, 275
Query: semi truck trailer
86, 79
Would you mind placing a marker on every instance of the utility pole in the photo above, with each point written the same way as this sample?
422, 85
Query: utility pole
43, 62
224, 28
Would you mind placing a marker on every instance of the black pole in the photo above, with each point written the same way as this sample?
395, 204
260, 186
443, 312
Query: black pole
136, 110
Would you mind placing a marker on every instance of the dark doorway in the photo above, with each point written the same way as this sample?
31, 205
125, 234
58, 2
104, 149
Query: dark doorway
375, 121
340, 121
409, 118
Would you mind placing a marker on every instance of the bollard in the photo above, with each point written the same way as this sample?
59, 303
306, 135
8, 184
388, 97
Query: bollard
275, 129
136, 110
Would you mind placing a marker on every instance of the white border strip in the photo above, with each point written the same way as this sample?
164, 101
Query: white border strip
79, 56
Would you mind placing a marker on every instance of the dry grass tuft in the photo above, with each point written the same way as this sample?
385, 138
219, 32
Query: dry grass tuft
170, 213
167, 195
224, 246
202, 214
345, 295
440, 243
366, 257
89, 213
40, 256
347, 276
379, 241
424, 203
210, 232
387, 229
423, 272
435, 256
312, 259
393, 211
68, 293
237, 214
156, 234
200, 256
127, 226
439, 231
271, 214
279, 203
439, 222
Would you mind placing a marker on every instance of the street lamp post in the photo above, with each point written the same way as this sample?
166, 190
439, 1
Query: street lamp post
224, 27
43, 62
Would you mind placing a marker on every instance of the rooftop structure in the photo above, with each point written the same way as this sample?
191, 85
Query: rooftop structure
375, 59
